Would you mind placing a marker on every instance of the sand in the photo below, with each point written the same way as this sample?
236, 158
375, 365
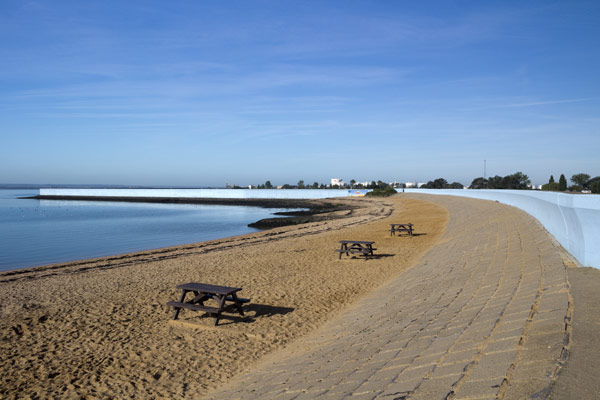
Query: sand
101, 329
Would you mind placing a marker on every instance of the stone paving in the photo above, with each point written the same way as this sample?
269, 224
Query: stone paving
484, 315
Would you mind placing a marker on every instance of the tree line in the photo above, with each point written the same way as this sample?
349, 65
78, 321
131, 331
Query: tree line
316, 185
580, 181
518, 181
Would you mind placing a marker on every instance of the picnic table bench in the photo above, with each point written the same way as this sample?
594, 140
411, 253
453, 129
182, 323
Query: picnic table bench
203, 292
360, 247
408, 228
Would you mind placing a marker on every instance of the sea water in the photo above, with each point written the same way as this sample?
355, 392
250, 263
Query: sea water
39, 232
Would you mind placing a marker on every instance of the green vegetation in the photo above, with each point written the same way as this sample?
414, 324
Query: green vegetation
581, 180
518, 180
551, 186
562, 183
385, 192
441, 183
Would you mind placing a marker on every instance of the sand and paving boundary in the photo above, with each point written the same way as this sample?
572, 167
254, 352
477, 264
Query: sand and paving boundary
485, 314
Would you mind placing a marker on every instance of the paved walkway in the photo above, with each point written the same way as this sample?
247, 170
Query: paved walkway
484, 315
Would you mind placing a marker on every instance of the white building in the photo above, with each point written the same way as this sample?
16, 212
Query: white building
337, 181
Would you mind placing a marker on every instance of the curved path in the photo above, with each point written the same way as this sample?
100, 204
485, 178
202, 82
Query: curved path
484, 315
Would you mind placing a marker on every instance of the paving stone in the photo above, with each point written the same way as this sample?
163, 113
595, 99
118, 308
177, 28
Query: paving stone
526, 370
457, 368
436, 388
401, 387
387, 374
373, 386
463, 355
545, 340
493, 365
477, 389
415, 373
502, 345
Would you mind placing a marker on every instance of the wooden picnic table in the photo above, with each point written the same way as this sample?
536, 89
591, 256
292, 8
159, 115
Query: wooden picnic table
350, 247
203, 292
408, 228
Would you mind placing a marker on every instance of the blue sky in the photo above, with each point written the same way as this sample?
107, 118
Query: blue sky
202, 92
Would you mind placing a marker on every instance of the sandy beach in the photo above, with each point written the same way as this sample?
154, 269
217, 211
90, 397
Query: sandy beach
480, 304
101, 328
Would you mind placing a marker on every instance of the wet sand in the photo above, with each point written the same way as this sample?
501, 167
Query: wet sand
100, 328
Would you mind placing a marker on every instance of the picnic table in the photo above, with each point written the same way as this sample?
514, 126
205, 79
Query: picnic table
203, 292
360, 247
408, 228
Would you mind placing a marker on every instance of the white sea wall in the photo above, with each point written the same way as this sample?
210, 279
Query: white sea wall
573, 219
209, 193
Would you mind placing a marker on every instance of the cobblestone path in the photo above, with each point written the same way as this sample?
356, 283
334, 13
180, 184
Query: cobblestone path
484, 315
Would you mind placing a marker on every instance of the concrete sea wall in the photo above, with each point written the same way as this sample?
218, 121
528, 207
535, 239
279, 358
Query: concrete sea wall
209, 193
573, 219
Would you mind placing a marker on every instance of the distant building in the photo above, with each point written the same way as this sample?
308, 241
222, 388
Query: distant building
337, 182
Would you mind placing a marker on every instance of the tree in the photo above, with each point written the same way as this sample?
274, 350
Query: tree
382, 192
315, 185
352, 183
496, 182
439, 183
456, 185
551, 187
479, 183
551, 179
595, 186
562, 183
581, 180
518, 180
381, 184
300, 184
268, 185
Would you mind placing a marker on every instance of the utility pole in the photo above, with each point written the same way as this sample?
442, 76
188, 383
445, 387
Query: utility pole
484, 167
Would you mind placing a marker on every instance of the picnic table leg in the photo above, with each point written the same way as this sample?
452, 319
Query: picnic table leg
177, 309
221, 300
237, 303
342, 250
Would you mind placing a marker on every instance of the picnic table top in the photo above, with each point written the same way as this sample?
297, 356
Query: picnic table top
355, 241
206, 288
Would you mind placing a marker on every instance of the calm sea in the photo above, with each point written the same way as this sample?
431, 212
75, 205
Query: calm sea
40, 232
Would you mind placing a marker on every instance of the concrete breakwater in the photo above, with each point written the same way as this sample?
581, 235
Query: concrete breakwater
208, 193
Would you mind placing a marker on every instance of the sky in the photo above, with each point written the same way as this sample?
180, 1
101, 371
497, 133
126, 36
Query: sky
200, 93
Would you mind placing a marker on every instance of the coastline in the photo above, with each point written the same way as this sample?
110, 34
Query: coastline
318, 209
101, 328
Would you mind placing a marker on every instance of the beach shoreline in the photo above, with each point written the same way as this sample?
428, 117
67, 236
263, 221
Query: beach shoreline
102, 328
